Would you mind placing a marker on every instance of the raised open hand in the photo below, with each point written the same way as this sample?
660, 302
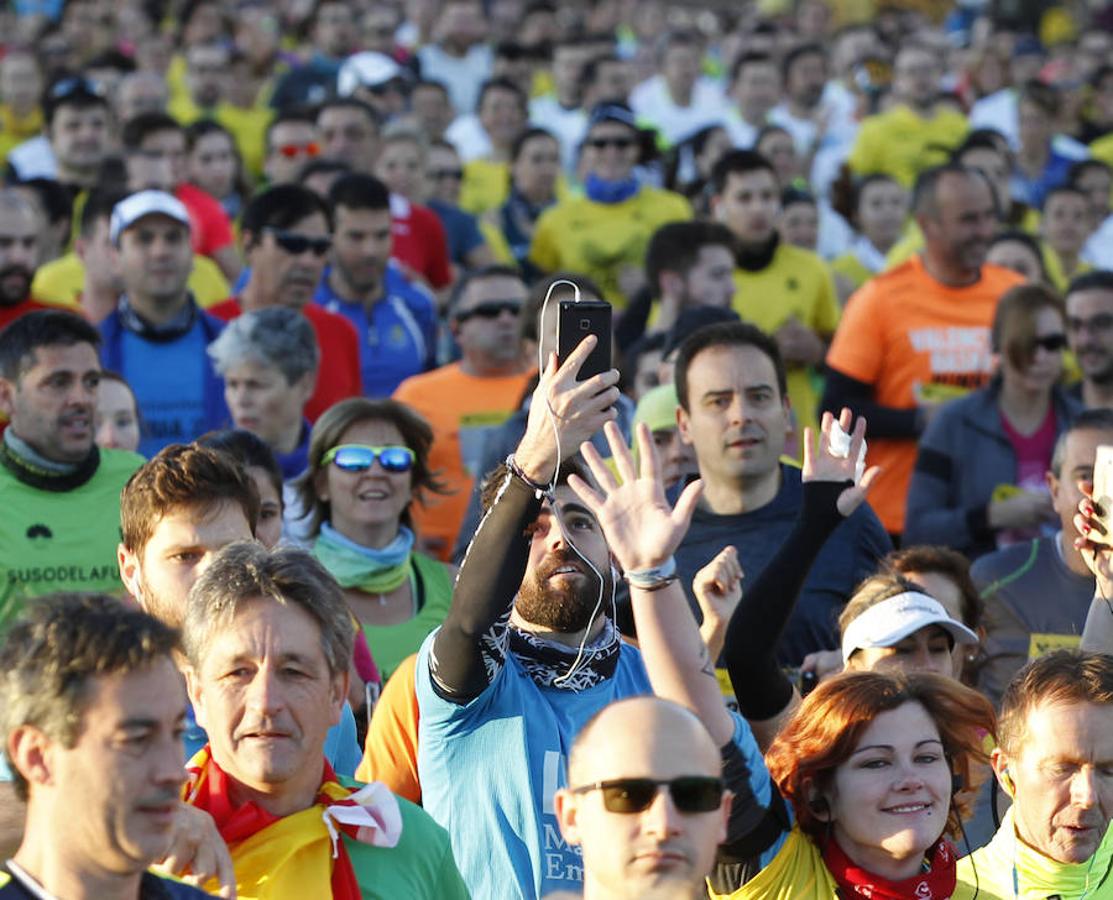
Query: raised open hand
827, 464
640, 527
575, 409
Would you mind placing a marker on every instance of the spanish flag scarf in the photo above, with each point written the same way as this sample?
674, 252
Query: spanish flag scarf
294, 856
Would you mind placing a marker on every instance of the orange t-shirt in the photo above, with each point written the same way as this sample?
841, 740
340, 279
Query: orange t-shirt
904, 332
390, 752
462, 410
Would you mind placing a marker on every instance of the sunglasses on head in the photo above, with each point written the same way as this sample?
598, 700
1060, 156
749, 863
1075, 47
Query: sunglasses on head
690, 793
360, 458
1052, 343
492, 309
290, 151
619, 143
296, 244
76, 85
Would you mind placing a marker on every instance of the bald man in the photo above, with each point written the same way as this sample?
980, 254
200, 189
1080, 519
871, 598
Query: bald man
646, 802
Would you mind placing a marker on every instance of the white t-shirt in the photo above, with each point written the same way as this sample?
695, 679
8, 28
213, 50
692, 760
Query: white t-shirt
652, 103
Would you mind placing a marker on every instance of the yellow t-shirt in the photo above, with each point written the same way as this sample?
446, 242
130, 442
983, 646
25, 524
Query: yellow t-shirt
14, 130
600, 240
900, 143
62, 280
248, 126
796, 283
486, 186
798, 872
852, 269
1059, 279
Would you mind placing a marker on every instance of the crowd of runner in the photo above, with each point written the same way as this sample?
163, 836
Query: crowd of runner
331, 566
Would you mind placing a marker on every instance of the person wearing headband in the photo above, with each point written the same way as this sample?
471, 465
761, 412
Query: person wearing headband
890, 623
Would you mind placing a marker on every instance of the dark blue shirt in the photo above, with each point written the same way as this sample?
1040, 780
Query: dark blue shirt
849, 555
461, 228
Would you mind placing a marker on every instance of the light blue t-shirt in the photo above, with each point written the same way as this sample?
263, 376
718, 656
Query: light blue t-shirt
489, 769
492, 766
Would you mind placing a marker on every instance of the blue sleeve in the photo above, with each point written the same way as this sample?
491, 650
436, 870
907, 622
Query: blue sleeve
470, 235
341, 745
761, 783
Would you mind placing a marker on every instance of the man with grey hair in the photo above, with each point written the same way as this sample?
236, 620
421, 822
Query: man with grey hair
91, 713
268, 359
645, 801
1016, 582
269, 638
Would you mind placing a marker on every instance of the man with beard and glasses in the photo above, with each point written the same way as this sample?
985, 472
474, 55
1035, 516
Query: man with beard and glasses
529, 650
59, 493
395, 318
1089, 302
918, 334
20, 226
287, 234
91, 714
176, 513
157, 335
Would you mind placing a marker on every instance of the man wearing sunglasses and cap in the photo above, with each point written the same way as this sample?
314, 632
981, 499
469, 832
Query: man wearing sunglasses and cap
604, 234
157, 336
645, 801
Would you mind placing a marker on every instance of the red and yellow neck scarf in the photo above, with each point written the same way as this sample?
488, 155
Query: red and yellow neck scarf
294, 856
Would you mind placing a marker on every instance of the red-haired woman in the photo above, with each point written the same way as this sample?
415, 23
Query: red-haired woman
868, 764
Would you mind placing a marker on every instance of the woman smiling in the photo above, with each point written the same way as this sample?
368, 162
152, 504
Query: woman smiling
368, 462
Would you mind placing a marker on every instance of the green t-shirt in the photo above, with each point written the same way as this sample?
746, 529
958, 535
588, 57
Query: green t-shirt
390, 644
420, 867
61, 540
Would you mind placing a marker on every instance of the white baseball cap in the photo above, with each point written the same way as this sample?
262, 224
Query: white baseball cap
891, 621
367, 69
142, 204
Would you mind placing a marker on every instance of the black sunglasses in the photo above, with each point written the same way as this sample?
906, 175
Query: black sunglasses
619, 143
442, 174
492, 309
296, 244
690, 793
1052, 343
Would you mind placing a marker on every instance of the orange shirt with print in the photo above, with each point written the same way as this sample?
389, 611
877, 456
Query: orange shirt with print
462, 410
904, 332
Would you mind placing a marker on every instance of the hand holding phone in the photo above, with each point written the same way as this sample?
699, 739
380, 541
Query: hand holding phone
575, 321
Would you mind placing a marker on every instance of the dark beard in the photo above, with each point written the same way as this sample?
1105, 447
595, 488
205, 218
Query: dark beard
19, 296
566, 607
